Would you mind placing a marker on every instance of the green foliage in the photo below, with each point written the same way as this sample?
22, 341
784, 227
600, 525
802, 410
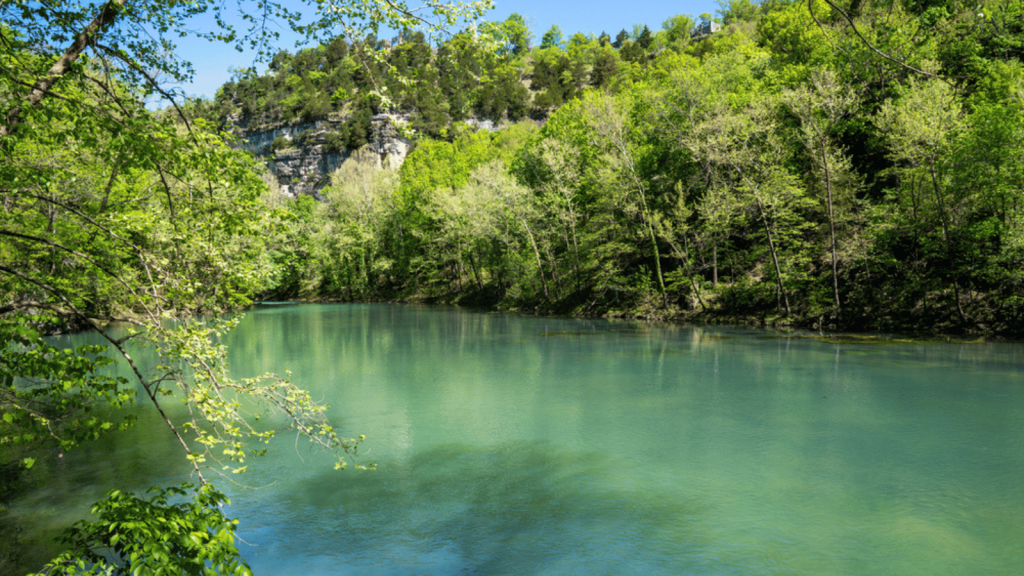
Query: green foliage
791, 33
515, 36
442, 165
738, 11
466, 74
645, 38
115, 213
620, 39
552, 39
280, 143
677, 29
605, 68
833, 197
150, 537
739, 175
50, 394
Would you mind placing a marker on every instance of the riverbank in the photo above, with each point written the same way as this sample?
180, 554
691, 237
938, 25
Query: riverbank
924, 324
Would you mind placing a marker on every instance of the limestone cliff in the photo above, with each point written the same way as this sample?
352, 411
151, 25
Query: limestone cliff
305, 163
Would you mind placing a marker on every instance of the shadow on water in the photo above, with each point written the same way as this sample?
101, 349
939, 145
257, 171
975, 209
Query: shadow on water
11, 549
512, 508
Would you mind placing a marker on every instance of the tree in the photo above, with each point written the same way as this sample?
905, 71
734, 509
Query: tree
552, 39
989, 164
738, 11
113, 212
920, 129
606, 66
793, 36
645, 38
633, 52
749, 157
819, 109
678, 30
360, 201
519, 35
552, 167
512, 36
85, 240
610, 133
134, 531
620, 38
118, 33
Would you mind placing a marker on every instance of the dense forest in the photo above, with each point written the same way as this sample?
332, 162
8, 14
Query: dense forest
811, 164
830, 164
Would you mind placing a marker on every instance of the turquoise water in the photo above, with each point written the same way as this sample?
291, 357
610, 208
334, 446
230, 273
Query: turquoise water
523, 445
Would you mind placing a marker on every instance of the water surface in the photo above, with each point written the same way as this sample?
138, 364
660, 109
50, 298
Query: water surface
523, 445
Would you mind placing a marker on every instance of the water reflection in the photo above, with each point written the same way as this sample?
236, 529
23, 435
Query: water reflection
514, 444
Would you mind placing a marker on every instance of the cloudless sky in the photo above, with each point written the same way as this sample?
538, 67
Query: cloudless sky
212, 61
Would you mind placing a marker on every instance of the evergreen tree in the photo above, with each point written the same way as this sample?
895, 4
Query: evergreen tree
605, 67
552, 39
620, 38
645, 38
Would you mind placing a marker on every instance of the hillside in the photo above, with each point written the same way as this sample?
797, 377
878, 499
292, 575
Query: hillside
783, 164
309, 110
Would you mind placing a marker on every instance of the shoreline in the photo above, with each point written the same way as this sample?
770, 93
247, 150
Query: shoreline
710, 319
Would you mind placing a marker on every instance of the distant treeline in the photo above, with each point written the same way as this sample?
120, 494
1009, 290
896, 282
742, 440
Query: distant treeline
495, 72
853, 166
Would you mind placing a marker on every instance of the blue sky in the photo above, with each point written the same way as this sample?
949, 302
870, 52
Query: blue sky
212, 61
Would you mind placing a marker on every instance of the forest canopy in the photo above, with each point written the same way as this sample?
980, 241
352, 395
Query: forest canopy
819, 164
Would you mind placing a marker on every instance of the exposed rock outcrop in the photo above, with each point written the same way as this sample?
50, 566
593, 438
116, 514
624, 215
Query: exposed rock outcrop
386, 139
305, 162
304, 170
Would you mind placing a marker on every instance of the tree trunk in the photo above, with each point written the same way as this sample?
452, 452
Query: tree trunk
474, 268
945, 236
657, 263
43, 85
684, 257
540, 266
619, 143
714, 264
556, 281
775, 257
831, 228
575, 244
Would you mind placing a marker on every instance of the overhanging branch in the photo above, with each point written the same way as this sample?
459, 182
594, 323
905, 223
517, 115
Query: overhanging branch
42, 86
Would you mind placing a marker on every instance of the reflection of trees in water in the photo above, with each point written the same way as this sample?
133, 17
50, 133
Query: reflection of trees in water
504, 509
11, 550
37, 504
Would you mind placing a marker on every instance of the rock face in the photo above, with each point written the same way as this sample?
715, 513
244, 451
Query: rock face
304, 170
305, 165
386, 140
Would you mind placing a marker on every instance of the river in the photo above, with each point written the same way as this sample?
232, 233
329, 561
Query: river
510, 444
